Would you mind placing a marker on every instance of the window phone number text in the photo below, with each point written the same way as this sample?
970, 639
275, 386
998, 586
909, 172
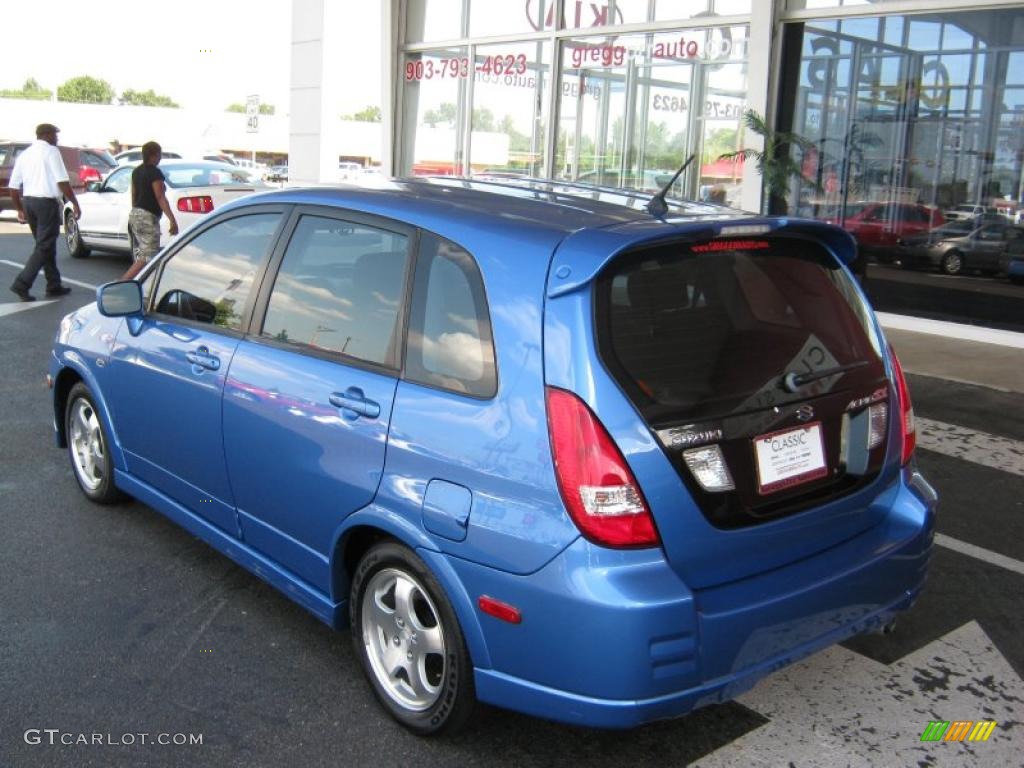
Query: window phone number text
428, 69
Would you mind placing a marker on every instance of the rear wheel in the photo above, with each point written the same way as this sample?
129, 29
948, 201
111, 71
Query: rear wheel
952, 263
88, 447
73, 237
408, 639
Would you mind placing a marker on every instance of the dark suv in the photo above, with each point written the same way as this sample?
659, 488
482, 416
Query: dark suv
83, 165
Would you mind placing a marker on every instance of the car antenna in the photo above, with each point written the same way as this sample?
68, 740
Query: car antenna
657, 206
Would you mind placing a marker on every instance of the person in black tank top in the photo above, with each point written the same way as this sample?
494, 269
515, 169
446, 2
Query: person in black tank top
149, 202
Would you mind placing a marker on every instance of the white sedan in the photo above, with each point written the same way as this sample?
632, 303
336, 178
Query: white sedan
194, 188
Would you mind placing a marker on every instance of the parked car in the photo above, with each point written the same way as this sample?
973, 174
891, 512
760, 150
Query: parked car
133, 157
254, 169
276, 173
968, 211
348, 171
877, 227
959, 245
83, 165
194, 188
537, 446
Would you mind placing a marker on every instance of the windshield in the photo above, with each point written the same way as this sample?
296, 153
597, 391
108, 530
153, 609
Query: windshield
206, 175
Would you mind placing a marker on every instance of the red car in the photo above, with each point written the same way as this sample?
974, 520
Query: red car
83, 165
883, 225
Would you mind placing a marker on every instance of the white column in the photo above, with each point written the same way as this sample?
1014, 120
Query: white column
761, 57
318, 76
390, 127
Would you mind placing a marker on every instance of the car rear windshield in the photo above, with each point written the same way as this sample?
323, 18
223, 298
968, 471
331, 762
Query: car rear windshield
205, 175
710, 329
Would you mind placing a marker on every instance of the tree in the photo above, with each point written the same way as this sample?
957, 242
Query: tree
368, 115
265, 109
483, 119
445, 113
775, 162
147, 99
86, 90
30, 90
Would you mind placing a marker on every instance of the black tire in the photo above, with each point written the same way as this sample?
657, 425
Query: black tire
88, 447
447, 696
952, 263
73, 237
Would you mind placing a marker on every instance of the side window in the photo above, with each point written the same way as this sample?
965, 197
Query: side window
340, 289
119, 181
450, 342
209, 279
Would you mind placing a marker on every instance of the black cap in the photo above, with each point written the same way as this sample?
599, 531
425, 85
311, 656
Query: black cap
44, 128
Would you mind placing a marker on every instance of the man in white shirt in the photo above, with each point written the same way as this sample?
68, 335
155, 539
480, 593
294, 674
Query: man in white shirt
38, 182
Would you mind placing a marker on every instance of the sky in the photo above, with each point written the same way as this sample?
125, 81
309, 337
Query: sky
204, 55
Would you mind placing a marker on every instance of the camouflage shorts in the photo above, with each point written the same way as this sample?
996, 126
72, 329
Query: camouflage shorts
145, 227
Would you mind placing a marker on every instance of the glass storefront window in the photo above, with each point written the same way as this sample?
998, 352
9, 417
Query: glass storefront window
510, 90
490, 18
632, 108
928, 117
429, 20
588, 15
435, 86
802, 5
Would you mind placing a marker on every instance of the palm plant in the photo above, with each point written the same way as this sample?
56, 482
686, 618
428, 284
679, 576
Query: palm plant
775, 162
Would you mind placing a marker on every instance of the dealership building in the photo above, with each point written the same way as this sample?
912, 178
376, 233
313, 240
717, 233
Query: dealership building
908, 100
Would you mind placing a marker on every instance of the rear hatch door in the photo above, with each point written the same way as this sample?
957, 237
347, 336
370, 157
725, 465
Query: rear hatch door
756, 369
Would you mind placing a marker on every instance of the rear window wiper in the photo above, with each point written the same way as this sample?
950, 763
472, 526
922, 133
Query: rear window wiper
792, 381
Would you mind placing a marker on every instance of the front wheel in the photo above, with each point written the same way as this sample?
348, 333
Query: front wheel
73, 237
88, 447
408, 639
952, 263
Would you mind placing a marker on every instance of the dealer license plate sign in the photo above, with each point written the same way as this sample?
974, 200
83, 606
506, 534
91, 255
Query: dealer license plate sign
789, 457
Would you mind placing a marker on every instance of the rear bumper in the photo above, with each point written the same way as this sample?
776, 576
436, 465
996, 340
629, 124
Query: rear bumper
632, 644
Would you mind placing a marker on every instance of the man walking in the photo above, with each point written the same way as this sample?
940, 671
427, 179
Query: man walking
38, 182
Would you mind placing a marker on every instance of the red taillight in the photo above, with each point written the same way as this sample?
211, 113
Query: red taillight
907, 431
87, 174
197, 204
599, 491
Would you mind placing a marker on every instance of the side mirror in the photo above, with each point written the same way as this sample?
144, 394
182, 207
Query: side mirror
93, 186
121, 299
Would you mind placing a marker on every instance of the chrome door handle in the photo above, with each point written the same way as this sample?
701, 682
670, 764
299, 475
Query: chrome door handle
353, 399
202, 358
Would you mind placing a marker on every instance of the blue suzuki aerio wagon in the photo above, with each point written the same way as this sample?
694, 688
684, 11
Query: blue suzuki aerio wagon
533, 443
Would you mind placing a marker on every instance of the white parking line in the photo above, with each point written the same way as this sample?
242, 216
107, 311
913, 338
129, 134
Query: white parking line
79, 283
993, 451
980, 553
21, 306
952, 330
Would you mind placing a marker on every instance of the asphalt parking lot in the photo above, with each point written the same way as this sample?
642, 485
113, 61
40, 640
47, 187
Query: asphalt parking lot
116, 623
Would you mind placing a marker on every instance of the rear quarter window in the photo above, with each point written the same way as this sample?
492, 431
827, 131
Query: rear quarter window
450, 345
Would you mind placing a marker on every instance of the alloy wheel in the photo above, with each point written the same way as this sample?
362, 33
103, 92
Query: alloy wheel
404, 639
86, 438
